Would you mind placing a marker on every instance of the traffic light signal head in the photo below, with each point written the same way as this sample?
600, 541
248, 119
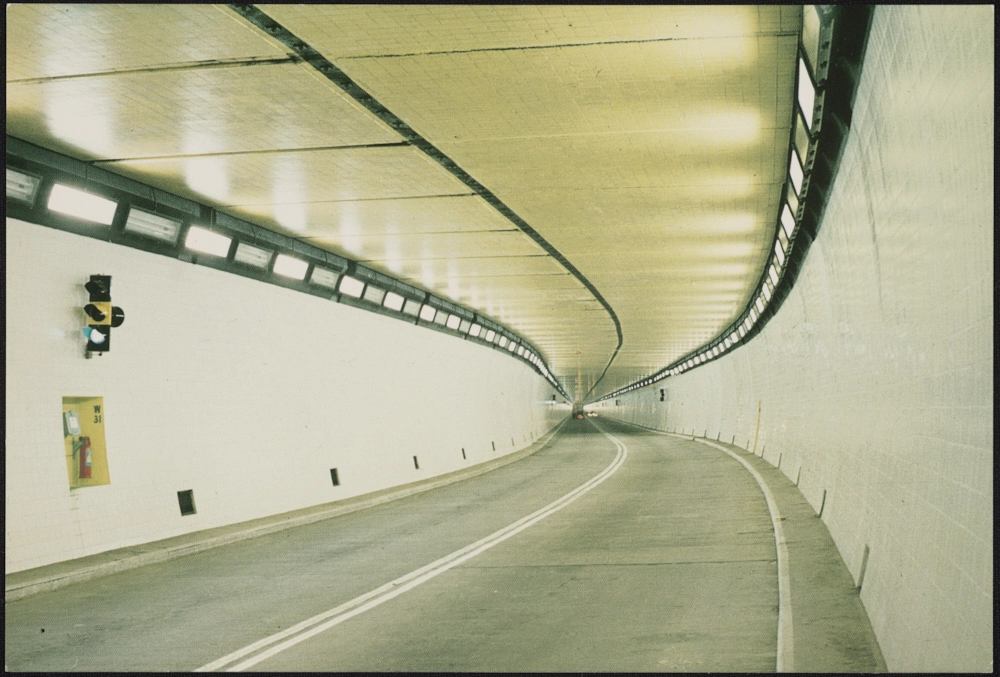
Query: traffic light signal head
97, 340
99, 287
101, 315
98, 313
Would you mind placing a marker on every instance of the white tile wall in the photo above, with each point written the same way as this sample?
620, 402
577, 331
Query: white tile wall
875, 377
245, 392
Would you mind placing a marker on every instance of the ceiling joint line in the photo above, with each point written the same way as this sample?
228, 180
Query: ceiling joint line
596, 43
184, 66
264, 22
374, 199
265, 151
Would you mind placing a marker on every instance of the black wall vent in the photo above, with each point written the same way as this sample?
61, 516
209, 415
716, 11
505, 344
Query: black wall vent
186, 501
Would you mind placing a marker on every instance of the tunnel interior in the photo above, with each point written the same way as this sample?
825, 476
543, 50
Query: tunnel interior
387, 281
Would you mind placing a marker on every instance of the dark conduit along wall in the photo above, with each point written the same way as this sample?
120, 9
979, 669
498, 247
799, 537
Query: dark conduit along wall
874, 380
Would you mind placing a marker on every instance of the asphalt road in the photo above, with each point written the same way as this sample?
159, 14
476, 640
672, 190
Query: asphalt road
668, 564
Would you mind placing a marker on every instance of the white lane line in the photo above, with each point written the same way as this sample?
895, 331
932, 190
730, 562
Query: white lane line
786, 658
269, 646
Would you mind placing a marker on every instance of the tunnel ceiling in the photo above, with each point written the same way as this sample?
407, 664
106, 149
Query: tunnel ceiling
626, 163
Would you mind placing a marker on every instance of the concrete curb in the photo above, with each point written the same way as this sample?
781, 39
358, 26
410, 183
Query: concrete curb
821, 643
22, 584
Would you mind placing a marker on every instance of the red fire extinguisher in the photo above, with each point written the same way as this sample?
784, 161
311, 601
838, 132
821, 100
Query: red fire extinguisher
83, 449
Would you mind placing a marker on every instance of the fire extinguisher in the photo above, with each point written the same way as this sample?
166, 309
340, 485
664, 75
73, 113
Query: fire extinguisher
83, 448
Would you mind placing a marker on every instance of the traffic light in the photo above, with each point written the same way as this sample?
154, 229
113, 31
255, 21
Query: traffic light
101, 315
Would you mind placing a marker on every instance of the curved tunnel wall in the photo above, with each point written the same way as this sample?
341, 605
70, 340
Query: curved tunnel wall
246, 393
874, 380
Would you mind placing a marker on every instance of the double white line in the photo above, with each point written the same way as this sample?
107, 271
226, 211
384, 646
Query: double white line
263, 649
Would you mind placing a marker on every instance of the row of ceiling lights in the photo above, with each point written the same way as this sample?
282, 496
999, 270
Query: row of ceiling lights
800, 157
86, 206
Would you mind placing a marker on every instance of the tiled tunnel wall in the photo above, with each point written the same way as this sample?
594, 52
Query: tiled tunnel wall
875, 378
244, 392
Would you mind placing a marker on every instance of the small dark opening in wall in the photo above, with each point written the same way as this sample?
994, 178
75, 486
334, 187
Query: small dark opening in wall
661, 394
334, 477
463, 452
494, 445
186, 501
415, 463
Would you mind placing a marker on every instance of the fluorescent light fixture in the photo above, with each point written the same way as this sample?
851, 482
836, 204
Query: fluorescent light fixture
474, 330
734, 337
795, 171
489, 335
767, 292
753, 315
779, 253
152, 225
503, 341
374, 295
441, 317
727, 343
252, 256
427, 313
81, 205
464, 327
207, 242
807, 93
288, 266
23, 187
453, 321
351, 286
511, 346
393, 301
324, 278
787, 220
772, 273
412, 307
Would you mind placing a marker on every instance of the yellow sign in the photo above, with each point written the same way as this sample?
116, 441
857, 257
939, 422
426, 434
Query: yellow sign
83, 435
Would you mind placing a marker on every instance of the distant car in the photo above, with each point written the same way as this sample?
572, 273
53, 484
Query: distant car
591, 413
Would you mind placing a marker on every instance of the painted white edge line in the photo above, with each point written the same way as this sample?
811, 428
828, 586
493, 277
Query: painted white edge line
786, 653
786, 658
321, 622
